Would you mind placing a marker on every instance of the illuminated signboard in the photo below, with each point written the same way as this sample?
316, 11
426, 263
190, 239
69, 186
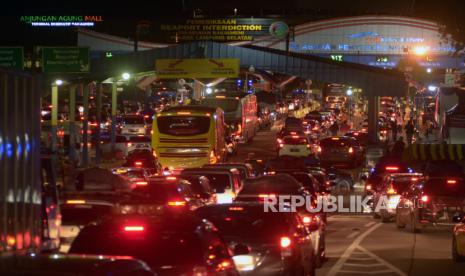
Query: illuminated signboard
12, 57
382, 59
227, 29
61, 20
336, 57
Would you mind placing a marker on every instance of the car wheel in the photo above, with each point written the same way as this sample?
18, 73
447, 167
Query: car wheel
413, 225
320, 259
399, 224
455, 254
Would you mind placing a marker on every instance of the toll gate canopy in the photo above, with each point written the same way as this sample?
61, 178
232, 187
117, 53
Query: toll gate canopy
374, 81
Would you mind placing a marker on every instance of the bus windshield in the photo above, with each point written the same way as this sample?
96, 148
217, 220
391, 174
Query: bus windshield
183, 125
228, 105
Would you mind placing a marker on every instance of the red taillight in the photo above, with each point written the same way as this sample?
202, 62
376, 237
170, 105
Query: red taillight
146, 116
281, 145
295, 136
319, 149
308, 146
134, 228
351, 150
267, 195
279, 140
392, 168
285, 242
451, 181
171, 178
142, 183
356, 133
414, 178
129, 145
424, 198
391, 191
177, 203
138, 163
368, 187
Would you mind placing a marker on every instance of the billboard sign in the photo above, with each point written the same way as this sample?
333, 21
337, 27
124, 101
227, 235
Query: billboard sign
197, 68
65, 60
12, 57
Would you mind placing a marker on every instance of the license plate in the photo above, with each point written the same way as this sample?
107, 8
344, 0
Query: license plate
141, 146
295, 150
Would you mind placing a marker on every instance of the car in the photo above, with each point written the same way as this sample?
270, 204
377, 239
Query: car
245, 170
134, 176
133, 125
201, 186
264, 243
340, 151
390, 189
143, 159
159, 193
142, 142
386, 165
433, 200
171, 243
360, 136
294, 145
78, 211
72, 264
226, 182
458, 239
122, 145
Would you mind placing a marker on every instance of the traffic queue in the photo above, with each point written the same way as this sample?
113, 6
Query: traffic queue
176, 207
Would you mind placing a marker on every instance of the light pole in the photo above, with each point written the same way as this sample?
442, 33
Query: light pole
349, 93
54, 118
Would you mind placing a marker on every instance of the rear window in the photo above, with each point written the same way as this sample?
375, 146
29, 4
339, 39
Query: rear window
305, 180
157, 192
82, 214
141, 139
338, 142
247, 224
133, 120
183, 125
402, 183
219, 182
441, 188
133, 174
295, 141
158, 247
269, 188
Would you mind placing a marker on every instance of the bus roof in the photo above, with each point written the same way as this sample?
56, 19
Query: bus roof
192, 108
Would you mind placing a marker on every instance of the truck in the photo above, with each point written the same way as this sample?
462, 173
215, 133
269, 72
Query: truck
240, 113
30, 217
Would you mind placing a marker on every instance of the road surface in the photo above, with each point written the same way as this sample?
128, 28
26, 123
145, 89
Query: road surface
357, 244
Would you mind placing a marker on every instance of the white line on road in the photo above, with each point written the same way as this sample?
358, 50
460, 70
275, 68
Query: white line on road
360, 258
353, 234
366, 272
370, 224
362, 265
337, 267
393, 268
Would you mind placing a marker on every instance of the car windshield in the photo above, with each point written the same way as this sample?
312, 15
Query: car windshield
228, 105
183, 125
219, 182
82, 214
401, 184
247, 224
133, 174
136, 120
263, 187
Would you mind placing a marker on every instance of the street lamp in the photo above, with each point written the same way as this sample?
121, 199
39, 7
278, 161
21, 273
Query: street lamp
349, 92
126, 76
432, 88
420, 50
429, 70
58, 82
208, 90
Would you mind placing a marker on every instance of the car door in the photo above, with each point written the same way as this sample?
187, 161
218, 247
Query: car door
306, 243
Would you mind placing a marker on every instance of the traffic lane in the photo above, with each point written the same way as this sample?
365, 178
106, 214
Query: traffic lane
263, 146
430, 250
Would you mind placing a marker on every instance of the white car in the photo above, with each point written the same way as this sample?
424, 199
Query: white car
295, 145
140, 142
133, 125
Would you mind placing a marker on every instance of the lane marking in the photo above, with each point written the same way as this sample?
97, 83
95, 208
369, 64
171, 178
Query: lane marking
345, 256
353, 234
370, 224
366, 272
360, 258
393, 268
363, 265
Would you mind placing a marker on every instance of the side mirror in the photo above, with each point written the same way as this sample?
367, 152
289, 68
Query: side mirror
241, 249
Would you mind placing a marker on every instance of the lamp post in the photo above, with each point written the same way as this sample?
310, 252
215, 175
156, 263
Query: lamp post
349, 93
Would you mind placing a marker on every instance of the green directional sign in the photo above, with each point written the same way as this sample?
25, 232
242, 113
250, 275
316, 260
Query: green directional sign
65, 60
12, 57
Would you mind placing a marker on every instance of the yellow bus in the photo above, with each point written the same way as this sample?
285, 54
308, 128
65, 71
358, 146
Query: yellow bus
189, 137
